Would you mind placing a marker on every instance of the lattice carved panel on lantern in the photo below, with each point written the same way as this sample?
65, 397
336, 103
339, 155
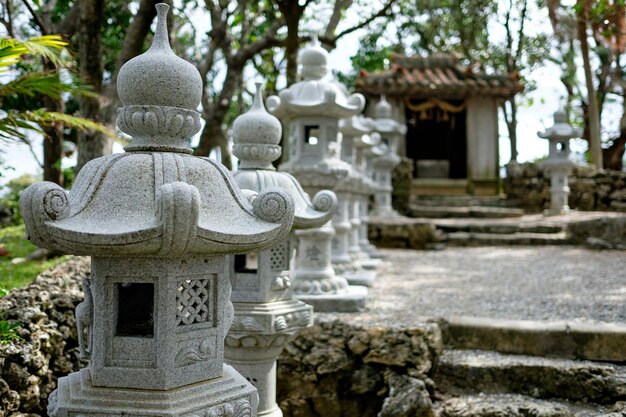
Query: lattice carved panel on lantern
279, 257
195, 300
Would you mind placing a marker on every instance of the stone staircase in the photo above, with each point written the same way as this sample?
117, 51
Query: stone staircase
494, 368
462, 206
491, 233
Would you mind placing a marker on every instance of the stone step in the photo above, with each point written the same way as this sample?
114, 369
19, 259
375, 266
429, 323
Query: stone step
461, 372
520, 238
464, 211
561, 339
461, 201
514, 405
498, 228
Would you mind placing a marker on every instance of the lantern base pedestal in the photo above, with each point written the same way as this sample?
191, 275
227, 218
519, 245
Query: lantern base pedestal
360, 277
350, 300
228, 395
372, 251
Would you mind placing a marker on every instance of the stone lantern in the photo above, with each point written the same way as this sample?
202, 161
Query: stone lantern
370, 151
558, 164
313, 108
158, 223
355, 137
266, 314
391, 131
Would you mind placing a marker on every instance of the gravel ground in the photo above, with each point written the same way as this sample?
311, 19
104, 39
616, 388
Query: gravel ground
519, 283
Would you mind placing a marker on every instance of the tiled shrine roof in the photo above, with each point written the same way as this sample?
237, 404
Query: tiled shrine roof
435, 76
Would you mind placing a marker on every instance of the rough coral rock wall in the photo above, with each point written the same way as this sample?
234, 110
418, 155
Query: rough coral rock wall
335, 369
401, 183
29, 367
590, 189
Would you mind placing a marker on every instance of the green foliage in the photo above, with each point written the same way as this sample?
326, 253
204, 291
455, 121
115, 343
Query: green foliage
8, 330
11, 196
15, 122
18, 275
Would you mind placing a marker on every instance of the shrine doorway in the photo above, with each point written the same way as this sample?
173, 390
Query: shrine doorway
436, 138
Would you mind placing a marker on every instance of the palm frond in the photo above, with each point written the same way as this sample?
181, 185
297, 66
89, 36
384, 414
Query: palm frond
32, 84
13, 126
47, 46
45, 118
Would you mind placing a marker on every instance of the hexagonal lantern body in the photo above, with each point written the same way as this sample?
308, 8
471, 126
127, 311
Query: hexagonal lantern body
158, 223
558, 164
313, 108
391, 132
266, 314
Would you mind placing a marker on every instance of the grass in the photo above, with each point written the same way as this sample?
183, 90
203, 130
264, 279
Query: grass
19, 275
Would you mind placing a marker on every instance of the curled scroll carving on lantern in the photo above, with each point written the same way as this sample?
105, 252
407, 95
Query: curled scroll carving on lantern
193, 351
324, 200
40, 203
272, 204
179, 211
281, 283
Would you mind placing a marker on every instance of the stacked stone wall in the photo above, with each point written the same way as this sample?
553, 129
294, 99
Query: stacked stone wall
590, 189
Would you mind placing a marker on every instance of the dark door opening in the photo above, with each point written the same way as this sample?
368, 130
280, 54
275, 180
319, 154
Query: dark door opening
436, 138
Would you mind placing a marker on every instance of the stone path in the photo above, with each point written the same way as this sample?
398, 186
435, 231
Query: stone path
517, 283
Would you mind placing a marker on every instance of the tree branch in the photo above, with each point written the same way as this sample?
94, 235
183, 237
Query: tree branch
520, 39
38, 20
382, 12
69, 25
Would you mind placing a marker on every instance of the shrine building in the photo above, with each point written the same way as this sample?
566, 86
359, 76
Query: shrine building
451, 114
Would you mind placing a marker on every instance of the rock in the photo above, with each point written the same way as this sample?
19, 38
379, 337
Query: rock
29, 367
401, 182
407, 397
506, 405
474, 371
402, 232
338, 369
603, 233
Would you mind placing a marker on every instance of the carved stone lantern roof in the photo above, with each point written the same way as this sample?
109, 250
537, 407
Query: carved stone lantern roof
256, 135
315, 95
367, 141
155, 199
561, 130
356, 126
383, 121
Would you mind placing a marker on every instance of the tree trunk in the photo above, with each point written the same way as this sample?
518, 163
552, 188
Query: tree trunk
91, 144
594, 114
213, 135
53, 144
614, 154
292, 11
510, 117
